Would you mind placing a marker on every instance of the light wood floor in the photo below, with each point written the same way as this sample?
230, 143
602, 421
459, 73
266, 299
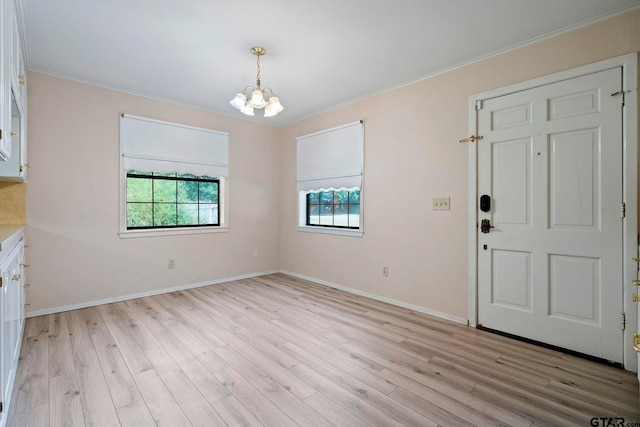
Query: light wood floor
278, 351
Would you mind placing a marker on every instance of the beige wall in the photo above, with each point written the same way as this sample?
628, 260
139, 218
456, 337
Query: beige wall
73, 200
411, 156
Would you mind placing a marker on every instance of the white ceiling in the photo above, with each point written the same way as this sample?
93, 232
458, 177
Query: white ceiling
321, 54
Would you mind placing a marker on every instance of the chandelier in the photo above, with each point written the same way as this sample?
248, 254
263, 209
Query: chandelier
251, 97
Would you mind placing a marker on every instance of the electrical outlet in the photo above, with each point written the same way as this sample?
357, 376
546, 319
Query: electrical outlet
441, 204
385, 271
171, 264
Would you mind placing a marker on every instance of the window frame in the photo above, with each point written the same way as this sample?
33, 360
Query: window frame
153, 177
332, 204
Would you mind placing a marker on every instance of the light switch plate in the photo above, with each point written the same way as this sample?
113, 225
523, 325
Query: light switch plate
441, 204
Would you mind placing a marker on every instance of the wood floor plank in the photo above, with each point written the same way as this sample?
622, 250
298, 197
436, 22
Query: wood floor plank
234, 414
65, 409
335, 413
32, 376
130, 352
463, 405
122, 388
277, 393
349, 401
78, 333
193, 404
60, 355
163, 407
366, 393
36, 417
255, 402
135, 414
278, 351
97, 405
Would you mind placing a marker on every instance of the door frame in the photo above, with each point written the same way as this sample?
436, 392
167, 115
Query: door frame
629, 64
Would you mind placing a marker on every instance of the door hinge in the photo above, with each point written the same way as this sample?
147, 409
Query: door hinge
622, 94
479, 105
1, 407
0, 282
623, 210
623, 321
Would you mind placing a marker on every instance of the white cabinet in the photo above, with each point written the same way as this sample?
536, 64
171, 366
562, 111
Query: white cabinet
11, 316
13, 94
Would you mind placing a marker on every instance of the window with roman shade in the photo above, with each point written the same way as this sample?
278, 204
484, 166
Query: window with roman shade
329, 179
173, 176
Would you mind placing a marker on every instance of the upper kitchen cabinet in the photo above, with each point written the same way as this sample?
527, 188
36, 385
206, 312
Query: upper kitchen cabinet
13, 94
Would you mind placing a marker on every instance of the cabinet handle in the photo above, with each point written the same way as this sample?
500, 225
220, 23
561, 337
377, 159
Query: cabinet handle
16, 277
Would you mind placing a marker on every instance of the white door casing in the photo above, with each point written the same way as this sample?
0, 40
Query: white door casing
557, 266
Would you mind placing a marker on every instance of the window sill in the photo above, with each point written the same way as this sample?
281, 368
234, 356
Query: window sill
329, 230
129, 234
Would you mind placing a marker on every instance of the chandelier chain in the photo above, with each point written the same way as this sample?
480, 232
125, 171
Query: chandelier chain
258, 75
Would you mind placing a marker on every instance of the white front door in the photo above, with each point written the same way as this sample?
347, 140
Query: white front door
550, 163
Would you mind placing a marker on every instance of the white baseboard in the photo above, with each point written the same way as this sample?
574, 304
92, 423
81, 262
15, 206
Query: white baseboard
417, 308
77, 306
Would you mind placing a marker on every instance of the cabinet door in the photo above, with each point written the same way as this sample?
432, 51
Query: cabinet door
18, 76
14, 168
5, 352
5, 78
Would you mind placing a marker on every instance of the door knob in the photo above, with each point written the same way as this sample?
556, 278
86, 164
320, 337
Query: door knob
485, 226
635, 282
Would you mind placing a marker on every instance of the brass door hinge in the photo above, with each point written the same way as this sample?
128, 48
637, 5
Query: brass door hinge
622, 94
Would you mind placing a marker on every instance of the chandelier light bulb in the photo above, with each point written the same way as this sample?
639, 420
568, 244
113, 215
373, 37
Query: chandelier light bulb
257, 99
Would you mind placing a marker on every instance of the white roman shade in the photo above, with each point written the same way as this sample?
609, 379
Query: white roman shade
332, 158
156, 146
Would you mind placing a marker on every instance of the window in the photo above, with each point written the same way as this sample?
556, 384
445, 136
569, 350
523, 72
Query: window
173, 178
340, 209
157, 200
329, 180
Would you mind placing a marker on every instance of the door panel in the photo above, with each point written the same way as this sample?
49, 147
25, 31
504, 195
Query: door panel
511, 175
574, 169
551, 159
